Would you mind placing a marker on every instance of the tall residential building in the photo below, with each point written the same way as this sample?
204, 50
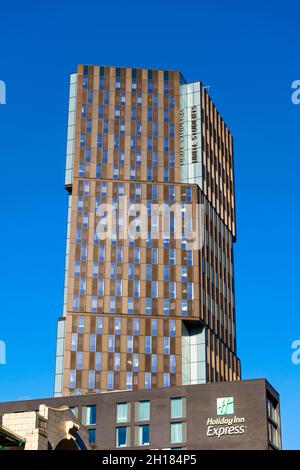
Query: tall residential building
151, 311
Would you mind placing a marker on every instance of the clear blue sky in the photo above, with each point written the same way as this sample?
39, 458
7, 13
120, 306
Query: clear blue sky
248, 52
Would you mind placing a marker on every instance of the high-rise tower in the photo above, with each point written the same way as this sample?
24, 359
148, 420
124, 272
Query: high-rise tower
151, 311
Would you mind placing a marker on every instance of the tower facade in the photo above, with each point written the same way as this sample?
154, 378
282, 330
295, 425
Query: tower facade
143, 306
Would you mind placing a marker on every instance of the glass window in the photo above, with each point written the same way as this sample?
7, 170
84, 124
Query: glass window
143, 435
92, 342
110, 380
166, 380
128, 380
100, 287
135, 363
154, 255
122, 436
72, 379
98, 361
117, 362
166, 345
154, 289
130, 305
79, 361
117, 325
154, 327
148, 306
172, 364
74, 341
177, 432
137, 255
91, 379
142, 410
149, 272
111, 343
92, 435
136, 291
130, 271
112, 305
177, 408
184, 309
172, 290
129, 344
154, 362
172, 328
99, 325
166, 307
89, 415
74, 410
147, 380
123, 412
136, 326
148, 344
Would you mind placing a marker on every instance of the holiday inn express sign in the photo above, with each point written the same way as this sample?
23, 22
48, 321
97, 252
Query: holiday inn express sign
228, 424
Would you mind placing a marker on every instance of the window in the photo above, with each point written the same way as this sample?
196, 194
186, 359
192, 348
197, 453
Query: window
130, 271
117, 362
148, 344
148, 272
112, 305
92, 342
99, 325
166, 307
91, 379
130, 305
111, 343
166, 345
129, 380
122, 436
172, 290
74, 410
123, 412
166, 380
92, 435
136, 326
129, 344
72, 379
154, 289
135, 364
148, 309
154, 255
154, 327
79, 361
100, 287
177, 432
136, 292
147, 380
177, 408
117, 325
110, 380
154, 362
89, 415
142, 410
143, 435
172, 328
172, 364
98, 361
74, 341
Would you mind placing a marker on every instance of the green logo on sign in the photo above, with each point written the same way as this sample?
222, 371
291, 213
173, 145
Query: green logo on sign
225, 406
